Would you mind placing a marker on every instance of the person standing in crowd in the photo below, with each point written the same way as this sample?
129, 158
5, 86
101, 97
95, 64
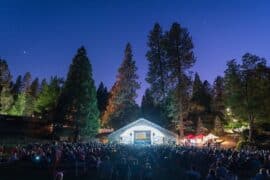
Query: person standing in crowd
105, 169
59, 175
211, 175
262, 175
147, 172
193, 174
135, 170
122, 169
221, 171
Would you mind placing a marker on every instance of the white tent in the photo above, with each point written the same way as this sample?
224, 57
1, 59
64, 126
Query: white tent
210, 136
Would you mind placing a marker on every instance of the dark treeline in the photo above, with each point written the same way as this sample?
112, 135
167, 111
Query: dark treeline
177, 98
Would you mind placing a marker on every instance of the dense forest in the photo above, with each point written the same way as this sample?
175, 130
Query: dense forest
177, 98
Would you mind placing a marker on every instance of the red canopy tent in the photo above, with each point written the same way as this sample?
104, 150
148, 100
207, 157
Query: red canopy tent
200, 136
190, 136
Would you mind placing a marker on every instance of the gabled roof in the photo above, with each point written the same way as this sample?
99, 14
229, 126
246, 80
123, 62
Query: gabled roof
143, 121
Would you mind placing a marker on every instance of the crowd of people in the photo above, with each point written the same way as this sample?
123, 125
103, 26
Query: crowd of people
122, 162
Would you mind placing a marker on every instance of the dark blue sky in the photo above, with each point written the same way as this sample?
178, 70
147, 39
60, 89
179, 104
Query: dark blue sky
42, 36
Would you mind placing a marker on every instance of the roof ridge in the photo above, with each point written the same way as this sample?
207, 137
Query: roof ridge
147, 122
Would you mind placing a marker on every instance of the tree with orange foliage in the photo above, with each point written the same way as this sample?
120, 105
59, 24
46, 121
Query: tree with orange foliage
122, 107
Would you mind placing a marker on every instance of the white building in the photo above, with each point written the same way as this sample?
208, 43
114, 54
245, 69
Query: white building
143, 131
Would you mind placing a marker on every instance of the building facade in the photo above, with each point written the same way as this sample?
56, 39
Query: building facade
143, 132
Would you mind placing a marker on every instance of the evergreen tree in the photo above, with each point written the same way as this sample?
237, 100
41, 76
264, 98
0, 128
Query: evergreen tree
246, 88
34, 88
18, 107
6, 98
78, 103
218, 126
196, 99
122, 108
102, 97
200, 127
219, 96
17, 87
147, 103
5, 76
44, 83
266, 88
179, 51
47, 98
29, 99
207, 94
150, 110
26, 83
157, 65
201, 96
31, 93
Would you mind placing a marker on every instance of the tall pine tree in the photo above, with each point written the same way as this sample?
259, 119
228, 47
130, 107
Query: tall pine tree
196, 99
34, 88
218, 126
18, 90
29, 99
122, 107
150, 110
6, 98
157, 75
179, 51
18, 107
46, 101
207, 94
17, 87
200, 127
102, 97
219, 96
26, 82
78, 103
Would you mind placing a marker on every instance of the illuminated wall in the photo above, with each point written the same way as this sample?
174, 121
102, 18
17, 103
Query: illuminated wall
127, 137
145, 132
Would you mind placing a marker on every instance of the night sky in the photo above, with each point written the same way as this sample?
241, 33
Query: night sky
42, 36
